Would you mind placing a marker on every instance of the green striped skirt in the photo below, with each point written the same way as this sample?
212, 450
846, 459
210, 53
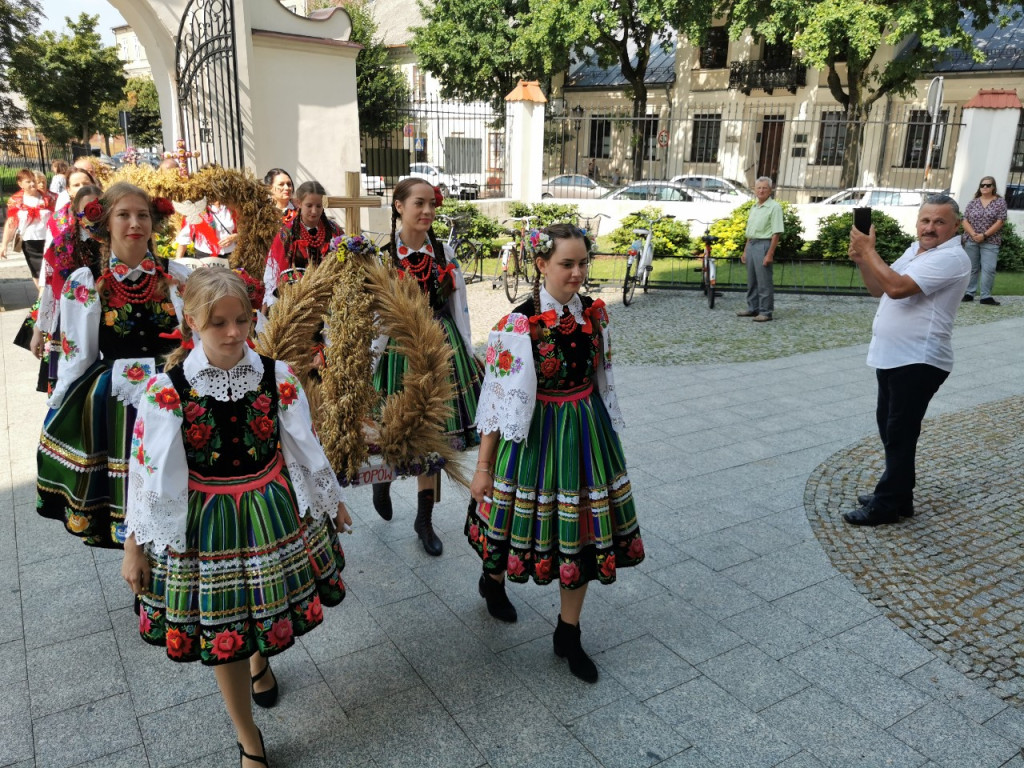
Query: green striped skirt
464, 372
563, 507
82, 461
254, 577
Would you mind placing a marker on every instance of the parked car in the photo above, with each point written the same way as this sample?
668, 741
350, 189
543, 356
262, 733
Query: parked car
449, 184
875, 197
572, 185
717, 188
372, 185
663, 191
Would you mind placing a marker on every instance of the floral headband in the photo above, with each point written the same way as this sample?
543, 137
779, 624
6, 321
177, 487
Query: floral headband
540, 241
357, 245
593, 241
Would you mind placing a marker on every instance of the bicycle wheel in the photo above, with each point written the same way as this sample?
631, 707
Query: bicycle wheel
628, 285
526, 265
472, 265
512, 278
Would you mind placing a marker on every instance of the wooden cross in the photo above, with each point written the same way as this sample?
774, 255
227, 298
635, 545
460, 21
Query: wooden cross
352, 202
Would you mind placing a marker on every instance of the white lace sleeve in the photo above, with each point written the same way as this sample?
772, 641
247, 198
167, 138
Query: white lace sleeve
509, 391
79, 331
316, 486
157, 503
47, 318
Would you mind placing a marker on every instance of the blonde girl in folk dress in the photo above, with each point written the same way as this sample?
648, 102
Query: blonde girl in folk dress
553, 501
417, 253
114, 318
233, 497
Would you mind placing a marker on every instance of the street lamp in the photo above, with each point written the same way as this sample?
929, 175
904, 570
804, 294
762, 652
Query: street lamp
577, 123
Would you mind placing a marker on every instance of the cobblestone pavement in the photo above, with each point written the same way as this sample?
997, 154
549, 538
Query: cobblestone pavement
735, 644
950, 576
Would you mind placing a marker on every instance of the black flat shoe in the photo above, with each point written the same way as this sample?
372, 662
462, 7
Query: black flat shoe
967, 297
866, 498
243, 755
989, 302
868, 516
267, 698
498, 604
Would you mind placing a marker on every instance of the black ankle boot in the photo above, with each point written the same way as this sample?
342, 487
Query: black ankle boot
498, 604
382, 500
567, 646
423, 526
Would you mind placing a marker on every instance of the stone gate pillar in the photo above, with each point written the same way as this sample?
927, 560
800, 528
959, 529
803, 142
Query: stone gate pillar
985, 146
525, 133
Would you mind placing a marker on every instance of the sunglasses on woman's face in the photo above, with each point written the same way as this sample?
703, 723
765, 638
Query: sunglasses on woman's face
982, 186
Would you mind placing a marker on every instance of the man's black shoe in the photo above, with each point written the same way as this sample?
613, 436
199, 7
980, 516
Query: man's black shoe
989, 302
967, 297
866, 498
867, 516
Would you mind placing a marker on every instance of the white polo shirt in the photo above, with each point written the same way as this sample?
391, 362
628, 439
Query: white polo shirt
919, 328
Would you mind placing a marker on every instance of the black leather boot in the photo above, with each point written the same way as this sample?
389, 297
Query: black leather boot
567, 646
382, 500
498, 604
423, 526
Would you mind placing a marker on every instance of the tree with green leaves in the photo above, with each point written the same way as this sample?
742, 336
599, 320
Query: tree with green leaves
845, 37
66, 79
620, 33
17, 21
142, 103
470, 47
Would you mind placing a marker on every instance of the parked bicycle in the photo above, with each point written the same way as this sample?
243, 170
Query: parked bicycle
591, 226
707, 263
515, 259
639, 259
469, 254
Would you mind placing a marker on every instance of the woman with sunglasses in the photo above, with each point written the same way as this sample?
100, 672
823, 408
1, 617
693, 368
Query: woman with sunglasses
984, 218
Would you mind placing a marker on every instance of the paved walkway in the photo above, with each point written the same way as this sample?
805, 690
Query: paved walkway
737, 643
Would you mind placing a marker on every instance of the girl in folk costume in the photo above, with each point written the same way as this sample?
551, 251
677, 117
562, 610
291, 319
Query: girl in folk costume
300, 243
552, 498
115, 316
213, 235
233, 497
28, 213
74, 247
77, 178
418, 254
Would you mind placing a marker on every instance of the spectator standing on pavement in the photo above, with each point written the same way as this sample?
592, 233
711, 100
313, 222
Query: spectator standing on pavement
764, 230
235, 513
911, 344
59, 182
28, 214
551, 496
984, 218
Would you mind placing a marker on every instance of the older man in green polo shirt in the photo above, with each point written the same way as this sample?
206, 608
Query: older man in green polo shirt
764, 229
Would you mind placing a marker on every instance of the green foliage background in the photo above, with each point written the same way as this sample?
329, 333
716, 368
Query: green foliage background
731, 233
833, 241
671, 236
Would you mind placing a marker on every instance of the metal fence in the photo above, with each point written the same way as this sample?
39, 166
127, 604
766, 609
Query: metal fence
462, 146
802, 148
36, 156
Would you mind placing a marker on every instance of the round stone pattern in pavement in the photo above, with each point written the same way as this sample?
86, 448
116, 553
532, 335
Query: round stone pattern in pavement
952, 575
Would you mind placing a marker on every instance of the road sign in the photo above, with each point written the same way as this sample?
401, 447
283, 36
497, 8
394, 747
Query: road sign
663, 138
418, 145
409, 130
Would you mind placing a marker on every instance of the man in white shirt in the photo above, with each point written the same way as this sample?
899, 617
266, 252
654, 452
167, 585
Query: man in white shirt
911, 344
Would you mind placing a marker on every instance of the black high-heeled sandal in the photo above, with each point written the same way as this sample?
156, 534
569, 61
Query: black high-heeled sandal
243, 755
267, 698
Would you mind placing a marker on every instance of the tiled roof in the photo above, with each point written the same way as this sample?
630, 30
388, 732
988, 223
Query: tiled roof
994, 99
661, 70
1003, 48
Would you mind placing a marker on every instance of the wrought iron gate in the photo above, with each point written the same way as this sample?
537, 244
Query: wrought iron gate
207, 71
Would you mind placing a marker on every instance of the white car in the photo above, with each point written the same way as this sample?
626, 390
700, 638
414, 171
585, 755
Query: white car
876, 197
717, 187
572, 185
663, 191
372, 185
449, 184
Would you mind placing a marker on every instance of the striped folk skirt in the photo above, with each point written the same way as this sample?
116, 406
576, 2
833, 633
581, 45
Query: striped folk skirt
82, 460
563, 506
464, 372
254, 576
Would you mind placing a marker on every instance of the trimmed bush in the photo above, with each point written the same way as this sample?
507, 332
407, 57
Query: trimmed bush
546, 213
671, 236
1011, 251
477, 226
833, 241
732, 233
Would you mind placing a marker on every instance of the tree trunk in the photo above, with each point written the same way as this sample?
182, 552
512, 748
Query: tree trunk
850, 176
639, 123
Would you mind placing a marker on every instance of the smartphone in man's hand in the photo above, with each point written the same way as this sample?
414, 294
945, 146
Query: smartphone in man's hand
862, 219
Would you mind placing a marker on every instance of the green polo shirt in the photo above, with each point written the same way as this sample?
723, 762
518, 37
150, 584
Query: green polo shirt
764, 220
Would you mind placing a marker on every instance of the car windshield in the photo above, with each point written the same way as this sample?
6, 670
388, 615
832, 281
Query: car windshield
741, 186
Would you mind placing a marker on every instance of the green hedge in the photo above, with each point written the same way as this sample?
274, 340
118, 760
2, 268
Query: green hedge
732, 237
833, 241
1011, 252
546, 213
671, 237
477, 226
